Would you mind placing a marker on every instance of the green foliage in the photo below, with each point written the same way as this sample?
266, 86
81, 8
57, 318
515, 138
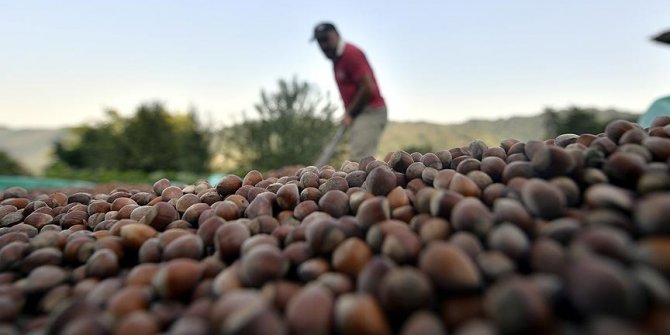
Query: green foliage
194, 140
576, 120
60, 170
131, 148
445, 136
292, 126
424, 135
422, 148
10, 167
572, 120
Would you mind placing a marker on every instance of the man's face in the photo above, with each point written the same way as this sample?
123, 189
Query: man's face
329, 43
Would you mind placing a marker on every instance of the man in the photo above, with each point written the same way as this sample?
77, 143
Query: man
365, 111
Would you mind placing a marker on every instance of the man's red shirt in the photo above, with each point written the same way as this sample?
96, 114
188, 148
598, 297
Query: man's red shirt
349, 69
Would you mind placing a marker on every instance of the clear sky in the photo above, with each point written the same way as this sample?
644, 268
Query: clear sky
64, 62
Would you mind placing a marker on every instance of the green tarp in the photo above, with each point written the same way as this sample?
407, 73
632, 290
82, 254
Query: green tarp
37, 183
658, 108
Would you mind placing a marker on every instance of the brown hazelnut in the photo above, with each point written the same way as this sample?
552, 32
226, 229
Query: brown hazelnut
335, 203
177, 278
359, 313
449, 268
380, 181
310, 311
128, 300
373, 210
134, 234
228, 185
160, 215
186, 246
229, 238
422, 322
404, 290
103, 263
543, 199
351, 256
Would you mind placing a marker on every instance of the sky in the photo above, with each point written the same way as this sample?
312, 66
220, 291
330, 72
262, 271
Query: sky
62, 63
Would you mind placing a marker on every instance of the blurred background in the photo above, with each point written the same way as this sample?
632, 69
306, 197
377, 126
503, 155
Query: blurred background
130, 91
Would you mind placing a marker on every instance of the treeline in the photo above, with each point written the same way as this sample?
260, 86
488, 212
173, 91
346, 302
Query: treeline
289, 126
11, 167
578, 120
129, 149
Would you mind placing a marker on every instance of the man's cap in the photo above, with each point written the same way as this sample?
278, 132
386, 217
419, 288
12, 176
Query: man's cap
322, 29
663, 37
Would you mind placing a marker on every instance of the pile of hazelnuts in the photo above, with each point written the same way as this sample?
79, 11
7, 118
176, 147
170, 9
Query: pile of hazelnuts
569, 235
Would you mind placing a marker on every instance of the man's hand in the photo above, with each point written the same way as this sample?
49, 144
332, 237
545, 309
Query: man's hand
347, 120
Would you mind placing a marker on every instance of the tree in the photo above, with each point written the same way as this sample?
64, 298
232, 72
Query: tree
292, 127
99, 146
193, 144
572, 120
421, 148
151, 140
577, 120
9, 166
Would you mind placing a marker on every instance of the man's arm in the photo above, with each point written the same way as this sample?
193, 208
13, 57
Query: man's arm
364, 91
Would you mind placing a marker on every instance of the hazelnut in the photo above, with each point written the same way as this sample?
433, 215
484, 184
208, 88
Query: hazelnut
313, 268
128, 300
422, 322
43, 256
160, 215
373, 210
359, 313
651, 214
351, 256
543, 199
42, 279
177, 278
335, 203
288, 196
186, 246
323, 236
103, 263
449, 268
380, 181
150, 251
310, 311
185, 201
228, 185
404, 290
535, 314
141, 322
142, 274
134, 234
228, 240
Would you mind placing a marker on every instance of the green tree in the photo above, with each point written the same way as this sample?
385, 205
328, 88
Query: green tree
151, 140
292, 126
422, 148
577, 120
9, 166
572, 120
93, 147
193, 143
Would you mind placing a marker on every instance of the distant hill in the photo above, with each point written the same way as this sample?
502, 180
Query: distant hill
400, 135
32, 147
